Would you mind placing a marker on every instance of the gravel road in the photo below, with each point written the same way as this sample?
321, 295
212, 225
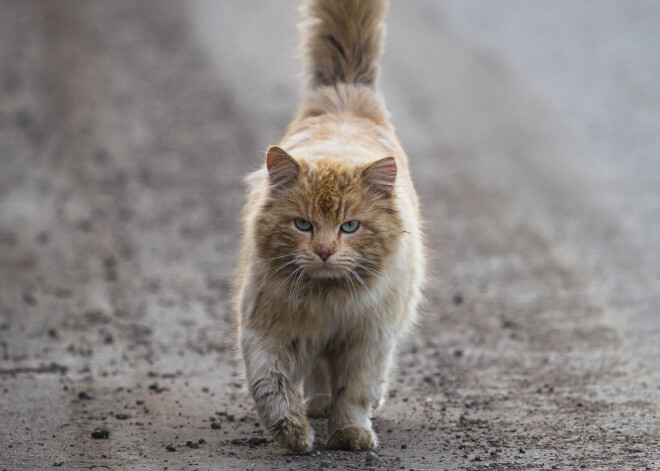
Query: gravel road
532, 129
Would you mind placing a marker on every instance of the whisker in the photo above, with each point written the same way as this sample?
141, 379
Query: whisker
280, 267
377, 275
352, 287
279, 256
279, 287
359, 279
376, 265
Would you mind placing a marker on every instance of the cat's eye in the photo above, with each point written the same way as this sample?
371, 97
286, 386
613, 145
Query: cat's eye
303, 224
350, 226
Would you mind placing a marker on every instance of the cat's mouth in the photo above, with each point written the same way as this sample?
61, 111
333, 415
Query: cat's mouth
326, 271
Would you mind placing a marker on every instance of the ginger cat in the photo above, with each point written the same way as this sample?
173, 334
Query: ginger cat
332, 259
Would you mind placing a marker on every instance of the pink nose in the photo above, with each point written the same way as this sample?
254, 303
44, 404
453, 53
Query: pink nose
324, 253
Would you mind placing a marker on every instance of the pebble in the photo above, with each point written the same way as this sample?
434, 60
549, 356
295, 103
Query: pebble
170, 448
157, 389
83, 396
216, 425
371, 458
100, 432
257, 441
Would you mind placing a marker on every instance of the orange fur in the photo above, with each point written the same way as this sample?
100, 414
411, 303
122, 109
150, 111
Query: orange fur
319, 304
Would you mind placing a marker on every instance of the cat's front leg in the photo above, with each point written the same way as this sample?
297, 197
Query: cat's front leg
359, 375
269, 370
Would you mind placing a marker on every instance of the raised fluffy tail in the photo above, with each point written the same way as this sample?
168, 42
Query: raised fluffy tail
343, 41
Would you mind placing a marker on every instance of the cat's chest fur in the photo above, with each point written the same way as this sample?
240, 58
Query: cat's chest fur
324, 307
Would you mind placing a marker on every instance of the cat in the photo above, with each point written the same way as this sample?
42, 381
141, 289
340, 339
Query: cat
332, 259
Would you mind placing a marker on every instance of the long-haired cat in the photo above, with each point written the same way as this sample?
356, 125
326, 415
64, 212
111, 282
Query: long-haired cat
332, 261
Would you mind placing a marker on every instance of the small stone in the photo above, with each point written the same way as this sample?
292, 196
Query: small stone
371, 458
521, 450
122, 416
201, 441
29, 299
193, 445
100, 432
458, 299
257, 441
216, 425
57, 463
157, 389
83, 396
170, 448
403, 447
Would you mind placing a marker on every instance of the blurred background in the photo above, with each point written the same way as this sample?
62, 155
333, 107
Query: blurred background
533, 134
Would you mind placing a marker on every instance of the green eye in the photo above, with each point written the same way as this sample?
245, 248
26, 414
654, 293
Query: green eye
350, 226
303, 224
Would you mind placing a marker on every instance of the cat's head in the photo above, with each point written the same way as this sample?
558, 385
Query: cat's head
328, 219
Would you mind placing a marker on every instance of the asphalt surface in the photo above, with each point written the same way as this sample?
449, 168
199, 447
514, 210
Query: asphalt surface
532, 130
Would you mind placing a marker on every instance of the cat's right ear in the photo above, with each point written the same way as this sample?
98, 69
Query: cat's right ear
282, 168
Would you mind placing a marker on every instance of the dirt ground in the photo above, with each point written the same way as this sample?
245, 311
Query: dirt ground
125, 129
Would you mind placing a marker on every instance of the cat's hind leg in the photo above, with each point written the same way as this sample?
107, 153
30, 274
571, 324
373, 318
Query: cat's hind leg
317, 389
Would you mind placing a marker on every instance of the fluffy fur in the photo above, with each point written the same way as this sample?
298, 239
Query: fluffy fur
322, 306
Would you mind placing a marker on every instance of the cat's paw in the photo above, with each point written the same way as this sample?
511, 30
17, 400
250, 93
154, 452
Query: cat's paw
296, 435
318, 406
353, 438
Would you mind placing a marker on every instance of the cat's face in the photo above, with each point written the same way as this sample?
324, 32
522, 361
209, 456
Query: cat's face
329, 219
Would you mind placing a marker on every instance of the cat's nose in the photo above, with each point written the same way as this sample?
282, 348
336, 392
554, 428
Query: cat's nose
324, 253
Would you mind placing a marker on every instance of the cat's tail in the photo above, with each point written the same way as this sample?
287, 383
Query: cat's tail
343, 41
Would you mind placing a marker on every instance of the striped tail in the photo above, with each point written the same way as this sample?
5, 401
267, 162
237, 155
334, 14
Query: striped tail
343, 41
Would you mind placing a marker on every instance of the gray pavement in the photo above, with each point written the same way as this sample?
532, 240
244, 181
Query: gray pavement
533, 131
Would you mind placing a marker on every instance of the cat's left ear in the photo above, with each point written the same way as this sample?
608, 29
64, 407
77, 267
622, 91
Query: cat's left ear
380, 175
282, 168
